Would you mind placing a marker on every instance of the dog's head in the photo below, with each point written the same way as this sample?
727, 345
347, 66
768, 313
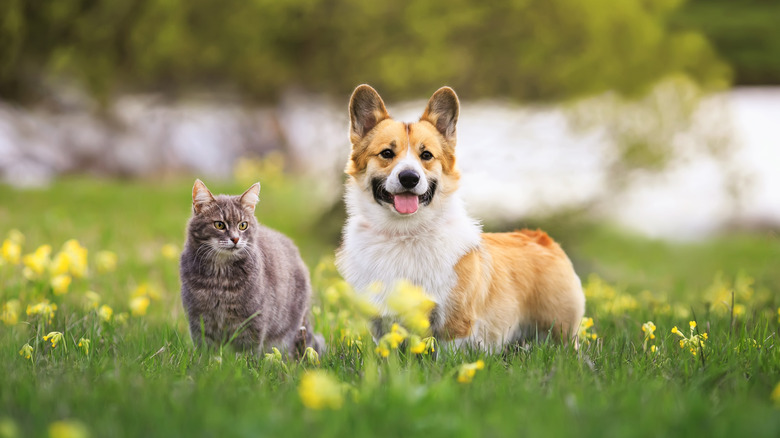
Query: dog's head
406, 168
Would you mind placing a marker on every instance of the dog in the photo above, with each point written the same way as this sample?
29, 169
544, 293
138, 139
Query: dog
405, 221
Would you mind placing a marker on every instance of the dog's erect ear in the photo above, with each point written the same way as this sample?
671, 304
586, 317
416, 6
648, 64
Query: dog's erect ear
250, 197
200, 196
442, 112
366, 109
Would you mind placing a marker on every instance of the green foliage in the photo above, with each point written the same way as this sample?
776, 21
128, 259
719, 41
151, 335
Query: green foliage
522, 49
142, 377
743, 32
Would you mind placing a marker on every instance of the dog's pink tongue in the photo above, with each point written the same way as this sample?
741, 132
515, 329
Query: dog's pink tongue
405, 203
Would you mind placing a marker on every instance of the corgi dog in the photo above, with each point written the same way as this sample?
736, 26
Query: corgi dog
406, 222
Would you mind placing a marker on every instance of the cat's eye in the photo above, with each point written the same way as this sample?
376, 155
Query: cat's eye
219, 225
242, 226
387, 154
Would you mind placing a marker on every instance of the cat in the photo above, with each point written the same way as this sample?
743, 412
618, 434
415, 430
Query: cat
243, 283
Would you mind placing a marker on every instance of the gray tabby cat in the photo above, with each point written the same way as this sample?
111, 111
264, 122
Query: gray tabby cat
238, 276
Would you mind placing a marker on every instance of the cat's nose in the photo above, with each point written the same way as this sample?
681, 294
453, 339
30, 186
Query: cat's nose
235, 240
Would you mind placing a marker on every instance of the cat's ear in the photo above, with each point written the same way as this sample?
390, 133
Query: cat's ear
200, 196
250, 197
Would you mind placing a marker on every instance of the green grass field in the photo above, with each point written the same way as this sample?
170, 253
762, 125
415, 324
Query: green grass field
142, 377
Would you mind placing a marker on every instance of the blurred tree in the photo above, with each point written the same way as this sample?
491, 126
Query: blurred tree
522, 49
744, 32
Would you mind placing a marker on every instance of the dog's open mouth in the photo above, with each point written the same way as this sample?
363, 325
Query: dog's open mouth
405, 202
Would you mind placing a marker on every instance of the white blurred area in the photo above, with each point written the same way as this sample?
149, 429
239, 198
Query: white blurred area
516, 161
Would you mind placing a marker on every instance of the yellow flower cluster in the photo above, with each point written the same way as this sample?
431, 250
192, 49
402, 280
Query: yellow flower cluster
584, 333
694, 342
36, 263
319, 390
54, 337
105, 313
43, 308
68, 429
648, 329
412, 305
606, 298
391, 341
467, 371
141, 298
10, 312
26, 351
11, 251
84, 345
775, 395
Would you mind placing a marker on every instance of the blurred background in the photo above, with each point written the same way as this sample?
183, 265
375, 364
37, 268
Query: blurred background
657, 116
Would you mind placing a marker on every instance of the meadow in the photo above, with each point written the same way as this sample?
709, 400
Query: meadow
679, 339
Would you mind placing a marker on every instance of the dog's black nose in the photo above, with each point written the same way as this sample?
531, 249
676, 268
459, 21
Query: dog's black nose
408, 178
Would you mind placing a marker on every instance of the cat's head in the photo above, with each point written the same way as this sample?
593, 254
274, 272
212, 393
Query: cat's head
224, 224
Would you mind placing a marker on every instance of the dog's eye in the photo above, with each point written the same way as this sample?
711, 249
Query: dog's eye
387, 153
219, 225
425, 156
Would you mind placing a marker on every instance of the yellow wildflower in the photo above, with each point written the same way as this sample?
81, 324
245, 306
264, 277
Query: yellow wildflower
68, 429
467, 371
653, 348
105, 312
37, 262
60, 264
144, 290
694, 341
778, 314
84, 345
138, 305
311, 356
585, 325
422, 346
391, 340
412, 305
26, 351
418, 347
105, 261
649, 329
43, 308
11, 252
318, 390
77, 257
55, 338
775, 395
10, 314
170, 251
274, 357
60, 284
382, 350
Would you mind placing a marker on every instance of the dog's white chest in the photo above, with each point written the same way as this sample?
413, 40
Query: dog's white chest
369, 259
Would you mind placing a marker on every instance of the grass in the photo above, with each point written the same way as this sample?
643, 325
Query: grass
142, 377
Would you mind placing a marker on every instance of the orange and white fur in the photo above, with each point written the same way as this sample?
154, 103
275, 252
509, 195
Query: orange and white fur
407, 222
